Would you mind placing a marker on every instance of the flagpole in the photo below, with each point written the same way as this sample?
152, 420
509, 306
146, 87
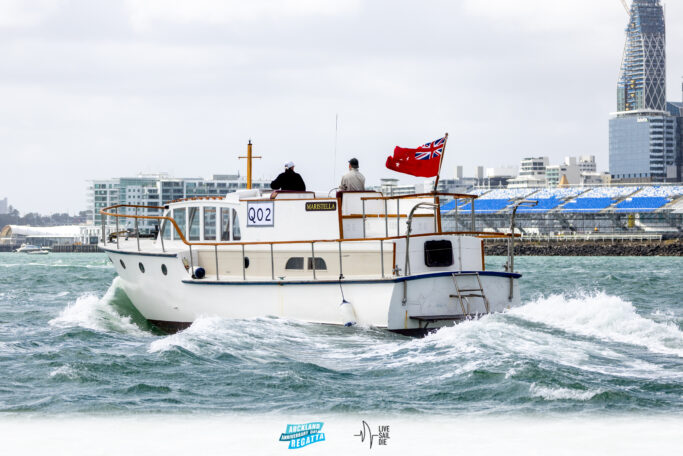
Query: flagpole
436, 182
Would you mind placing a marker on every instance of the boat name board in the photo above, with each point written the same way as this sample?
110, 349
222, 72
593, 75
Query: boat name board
321, 206
260, 213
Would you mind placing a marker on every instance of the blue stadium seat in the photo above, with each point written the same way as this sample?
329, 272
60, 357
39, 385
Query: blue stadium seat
486, 206
588, 205
642, 204
544, 205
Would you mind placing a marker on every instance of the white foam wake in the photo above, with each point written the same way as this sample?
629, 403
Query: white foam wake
605, 317
257, 339
90, 311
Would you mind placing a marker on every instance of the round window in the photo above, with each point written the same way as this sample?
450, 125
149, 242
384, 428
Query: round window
123, 265
142, 267
163, 269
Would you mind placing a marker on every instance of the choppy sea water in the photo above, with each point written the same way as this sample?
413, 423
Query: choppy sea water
594, 336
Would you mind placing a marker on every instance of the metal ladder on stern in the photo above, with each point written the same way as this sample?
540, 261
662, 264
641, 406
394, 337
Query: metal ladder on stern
464, 294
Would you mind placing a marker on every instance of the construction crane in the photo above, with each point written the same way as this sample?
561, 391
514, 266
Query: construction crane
626, 7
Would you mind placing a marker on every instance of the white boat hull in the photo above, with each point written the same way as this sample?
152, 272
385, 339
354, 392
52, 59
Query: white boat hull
173, 301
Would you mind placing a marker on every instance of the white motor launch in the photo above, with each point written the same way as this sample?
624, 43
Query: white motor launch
292, 255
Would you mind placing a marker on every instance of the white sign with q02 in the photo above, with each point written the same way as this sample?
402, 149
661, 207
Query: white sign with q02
260, 213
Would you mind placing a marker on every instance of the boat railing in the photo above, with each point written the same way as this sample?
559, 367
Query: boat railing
436, 207
113, 211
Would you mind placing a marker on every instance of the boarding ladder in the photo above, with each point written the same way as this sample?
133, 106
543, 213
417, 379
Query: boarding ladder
464, 294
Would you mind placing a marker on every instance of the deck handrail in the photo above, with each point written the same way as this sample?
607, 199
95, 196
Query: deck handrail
480, 234
104, 212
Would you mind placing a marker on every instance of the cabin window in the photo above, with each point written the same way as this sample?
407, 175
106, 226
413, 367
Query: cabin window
193, 216
236, 233
179, 217
438, 254
209, 223
295, 263
319, 264
225, 224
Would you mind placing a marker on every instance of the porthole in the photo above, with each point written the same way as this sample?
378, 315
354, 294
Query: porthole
123, 265
142, 267
164, 270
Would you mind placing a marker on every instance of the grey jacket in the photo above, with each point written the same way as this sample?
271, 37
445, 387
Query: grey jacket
353, 181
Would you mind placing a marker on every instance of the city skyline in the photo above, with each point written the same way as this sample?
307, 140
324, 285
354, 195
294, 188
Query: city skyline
101, 91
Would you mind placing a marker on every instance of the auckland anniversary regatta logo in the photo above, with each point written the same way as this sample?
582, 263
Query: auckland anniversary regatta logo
301, 435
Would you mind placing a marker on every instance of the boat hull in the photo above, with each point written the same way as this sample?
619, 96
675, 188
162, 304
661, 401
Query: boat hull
408, 305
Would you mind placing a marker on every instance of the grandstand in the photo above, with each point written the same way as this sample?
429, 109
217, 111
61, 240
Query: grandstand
550, 199
598, 199
574, 209
496, 200
649, 199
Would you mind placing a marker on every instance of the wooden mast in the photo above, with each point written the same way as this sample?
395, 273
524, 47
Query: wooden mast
249, 158
436, 182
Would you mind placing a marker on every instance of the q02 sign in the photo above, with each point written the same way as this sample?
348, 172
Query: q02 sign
260, 213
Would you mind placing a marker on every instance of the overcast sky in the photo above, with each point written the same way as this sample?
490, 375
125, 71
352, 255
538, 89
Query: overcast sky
101, 89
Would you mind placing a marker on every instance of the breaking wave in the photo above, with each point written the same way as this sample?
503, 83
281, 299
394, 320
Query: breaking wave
111, 312
604, 317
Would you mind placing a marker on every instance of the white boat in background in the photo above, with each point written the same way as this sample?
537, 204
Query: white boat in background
358, 257
38, 252
28, 248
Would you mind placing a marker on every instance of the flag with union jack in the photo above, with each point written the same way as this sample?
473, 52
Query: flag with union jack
423, 161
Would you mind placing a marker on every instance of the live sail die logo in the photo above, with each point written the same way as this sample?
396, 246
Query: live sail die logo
366, 434
318, 206
301, 435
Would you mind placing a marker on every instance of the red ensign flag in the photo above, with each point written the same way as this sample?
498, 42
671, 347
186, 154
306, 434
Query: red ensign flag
422, 162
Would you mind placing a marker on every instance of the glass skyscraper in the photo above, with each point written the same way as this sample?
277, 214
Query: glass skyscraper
644, 138
642, 82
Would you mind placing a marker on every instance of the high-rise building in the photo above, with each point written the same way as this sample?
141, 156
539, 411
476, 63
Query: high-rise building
642, 83
156, 190
643, 134
4, 207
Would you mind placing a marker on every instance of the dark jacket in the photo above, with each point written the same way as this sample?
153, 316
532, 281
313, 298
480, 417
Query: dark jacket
289, 180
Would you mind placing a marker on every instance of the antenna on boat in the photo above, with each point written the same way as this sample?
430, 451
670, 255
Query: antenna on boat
249, 157
334, 163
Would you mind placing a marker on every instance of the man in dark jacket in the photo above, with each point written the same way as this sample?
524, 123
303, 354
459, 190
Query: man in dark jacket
289, 180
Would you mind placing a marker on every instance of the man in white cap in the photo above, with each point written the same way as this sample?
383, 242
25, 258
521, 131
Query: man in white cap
353, 181
289, 180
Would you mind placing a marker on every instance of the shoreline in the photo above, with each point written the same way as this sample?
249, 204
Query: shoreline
665, 247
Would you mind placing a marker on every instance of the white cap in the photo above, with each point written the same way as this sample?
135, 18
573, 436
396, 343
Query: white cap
289, 165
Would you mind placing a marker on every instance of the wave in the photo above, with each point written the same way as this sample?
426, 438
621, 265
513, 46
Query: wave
64, 372
259, 339
604, 317
558, 394
499, 343
112, 312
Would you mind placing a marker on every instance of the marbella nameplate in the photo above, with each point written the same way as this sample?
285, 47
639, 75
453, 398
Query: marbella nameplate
317, 206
